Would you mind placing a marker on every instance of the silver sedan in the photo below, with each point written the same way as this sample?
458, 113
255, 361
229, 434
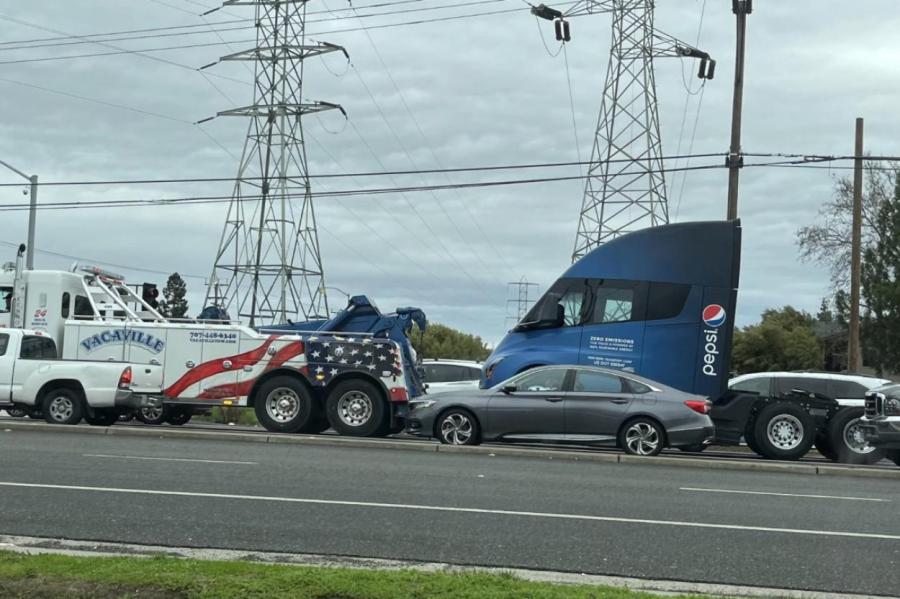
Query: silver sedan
569, 404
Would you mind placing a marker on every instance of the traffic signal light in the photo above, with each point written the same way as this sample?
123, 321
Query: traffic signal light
150, 294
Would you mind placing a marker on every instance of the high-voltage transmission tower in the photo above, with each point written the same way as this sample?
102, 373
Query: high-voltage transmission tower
521, 299
268, 267
625, 188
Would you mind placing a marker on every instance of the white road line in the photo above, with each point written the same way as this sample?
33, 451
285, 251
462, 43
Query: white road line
698, 490
464, 510
137, 457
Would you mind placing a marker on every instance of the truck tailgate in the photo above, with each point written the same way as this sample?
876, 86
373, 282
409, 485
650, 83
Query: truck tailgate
146, 379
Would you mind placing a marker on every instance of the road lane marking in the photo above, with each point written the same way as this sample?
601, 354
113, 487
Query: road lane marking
700, 490
464, 510
137, 457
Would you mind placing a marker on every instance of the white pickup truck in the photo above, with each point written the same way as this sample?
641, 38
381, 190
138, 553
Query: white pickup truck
34, 380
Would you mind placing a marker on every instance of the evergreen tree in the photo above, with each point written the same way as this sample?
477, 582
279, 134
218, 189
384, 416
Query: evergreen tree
174, 304
440, 341
880, 278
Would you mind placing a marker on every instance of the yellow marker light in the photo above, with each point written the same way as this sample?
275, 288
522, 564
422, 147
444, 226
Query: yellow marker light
227, 402
320, 376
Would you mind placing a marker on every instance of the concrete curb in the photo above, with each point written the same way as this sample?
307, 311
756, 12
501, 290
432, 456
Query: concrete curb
41, 545
752, 464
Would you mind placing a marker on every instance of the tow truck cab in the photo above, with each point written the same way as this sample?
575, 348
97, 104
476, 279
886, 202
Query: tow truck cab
659, 302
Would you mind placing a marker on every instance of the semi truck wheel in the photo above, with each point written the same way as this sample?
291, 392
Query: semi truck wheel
62, 406
750, 439
284, 405
101, 417
783, 431
894, 456
846, 437
358, 409
824, 446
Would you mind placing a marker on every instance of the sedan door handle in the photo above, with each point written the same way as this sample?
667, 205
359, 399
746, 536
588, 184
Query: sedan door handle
620, 400
553, 399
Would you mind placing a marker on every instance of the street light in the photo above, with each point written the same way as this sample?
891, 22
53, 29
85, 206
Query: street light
32, 214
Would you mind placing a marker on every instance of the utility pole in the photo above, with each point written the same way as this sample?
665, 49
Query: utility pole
735, 160
854, 361
32, 214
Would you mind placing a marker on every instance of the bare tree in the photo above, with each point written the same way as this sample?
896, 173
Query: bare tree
828, 240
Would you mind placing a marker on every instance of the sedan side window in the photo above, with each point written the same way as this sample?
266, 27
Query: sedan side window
542, 380
587, 381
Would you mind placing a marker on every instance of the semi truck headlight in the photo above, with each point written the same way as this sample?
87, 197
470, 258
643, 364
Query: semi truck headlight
892, 407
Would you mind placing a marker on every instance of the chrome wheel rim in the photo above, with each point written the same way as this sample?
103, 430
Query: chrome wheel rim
283, 405
785, 431
355, 408
61, 408
457, 429
642, 438
854, 438
152, 413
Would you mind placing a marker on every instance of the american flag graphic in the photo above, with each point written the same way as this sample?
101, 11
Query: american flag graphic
330, 356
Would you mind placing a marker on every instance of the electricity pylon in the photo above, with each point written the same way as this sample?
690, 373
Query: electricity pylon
625, 188
521, 300
268, 266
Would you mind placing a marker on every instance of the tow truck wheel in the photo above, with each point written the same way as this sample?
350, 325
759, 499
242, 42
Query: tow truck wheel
101, 417
783, 431
357, 408
62, 406
178, 416
846, 436
155, 415
284, 405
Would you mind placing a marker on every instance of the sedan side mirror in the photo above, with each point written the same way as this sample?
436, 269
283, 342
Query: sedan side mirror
509, 389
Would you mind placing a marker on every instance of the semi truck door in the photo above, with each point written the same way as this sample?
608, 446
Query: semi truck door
613, 331
7, 359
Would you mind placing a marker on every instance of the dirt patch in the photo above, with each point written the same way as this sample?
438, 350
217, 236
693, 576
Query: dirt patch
43, 588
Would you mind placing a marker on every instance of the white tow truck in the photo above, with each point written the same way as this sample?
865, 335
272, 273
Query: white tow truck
352, 382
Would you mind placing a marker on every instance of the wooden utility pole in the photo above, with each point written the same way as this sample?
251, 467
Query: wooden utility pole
741, 8
854, 359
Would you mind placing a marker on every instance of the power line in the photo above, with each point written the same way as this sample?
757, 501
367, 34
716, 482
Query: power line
337, 193
488, 168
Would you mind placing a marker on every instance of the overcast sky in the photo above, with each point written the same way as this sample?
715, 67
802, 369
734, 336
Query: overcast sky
477, 91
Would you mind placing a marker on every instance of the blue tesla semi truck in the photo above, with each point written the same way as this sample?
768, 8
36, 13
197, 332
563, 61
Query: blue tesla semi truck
659, 302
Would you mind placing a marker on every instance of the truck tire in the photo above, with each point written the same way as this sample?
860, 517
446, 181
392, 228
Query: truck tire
783, 431
153, 416
894, 456
317, 425
62, 406
101, 417
750, 438
284, 405
846, 438
824, 446
358, 409
177, 416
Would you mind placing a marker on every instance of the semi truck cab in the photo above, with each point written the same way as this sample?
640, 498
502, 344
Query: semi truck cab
658, 302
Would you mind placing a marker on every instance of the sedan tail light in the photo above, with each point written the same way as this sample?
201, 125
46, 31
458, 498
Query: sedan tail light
701, 406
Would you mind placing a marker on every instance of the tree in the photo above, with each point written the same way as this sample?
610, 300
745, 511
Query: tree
174, 304
880, 279
440, 341
828, 241
783, 340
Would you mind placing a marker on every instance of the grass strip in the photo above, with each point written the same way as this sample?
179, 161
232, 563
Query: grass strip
51, 576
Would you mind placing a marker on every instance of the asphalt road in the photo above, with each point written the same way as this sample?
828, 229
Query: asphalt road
768, 529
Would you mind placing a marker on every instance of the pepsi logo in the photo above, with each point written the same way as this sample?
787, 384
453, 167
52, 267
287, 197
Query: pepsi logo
714, 315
